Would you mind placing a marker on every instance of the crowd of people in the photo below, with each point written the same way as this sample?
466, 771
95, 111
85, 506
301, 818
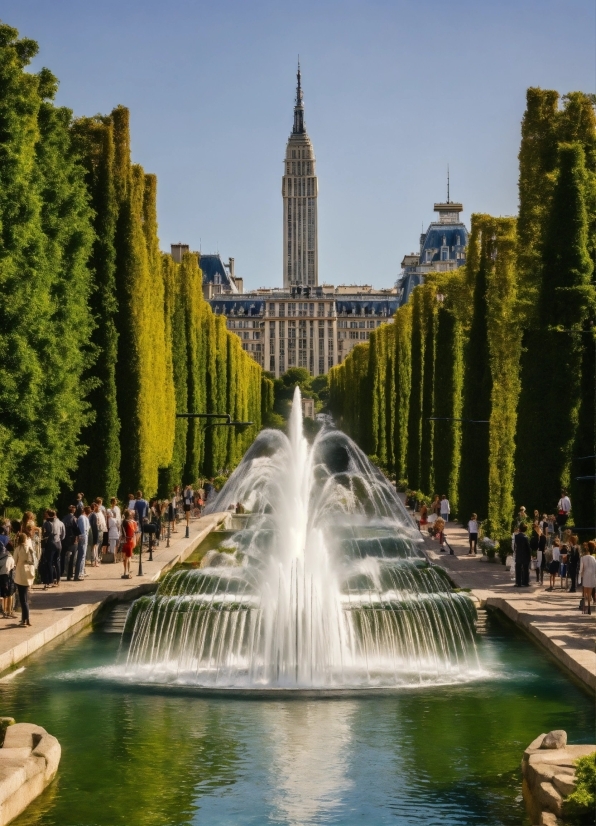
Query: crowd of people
541, 543
545, 545
86, 535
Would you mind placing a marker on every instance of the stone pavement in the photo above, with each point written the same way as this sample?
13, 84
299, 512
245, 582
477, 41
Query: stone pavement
72, 605
552, 618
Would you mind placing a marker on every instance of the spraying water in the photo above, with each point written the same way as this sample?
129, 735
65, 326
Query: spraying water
324, 586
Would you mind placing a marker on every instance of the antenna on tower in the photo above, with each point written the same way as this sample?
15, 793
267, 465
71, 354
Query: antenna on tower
448, 201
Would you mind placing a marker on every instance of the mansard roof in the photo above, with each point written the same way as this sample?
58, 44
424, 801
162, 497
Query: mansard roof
214, 272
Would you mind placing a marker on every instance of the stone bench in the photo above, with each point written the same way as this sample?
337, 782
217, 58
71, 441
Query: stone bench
29, 761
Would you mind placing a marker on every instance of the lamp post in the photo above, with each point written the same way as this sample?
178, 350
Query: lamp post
229, 422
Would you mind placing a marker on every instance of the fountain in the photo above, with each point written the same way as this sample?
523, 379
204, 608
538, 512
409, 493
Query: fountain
323, 588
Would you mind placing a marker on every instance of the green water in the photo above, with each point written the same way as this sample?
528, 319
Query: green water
443, 755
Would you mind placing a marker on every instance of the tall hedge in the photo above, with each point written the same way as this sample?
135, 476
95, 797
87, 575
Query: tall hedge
553, 356
99, 469
414, 452
403, 386
46, 237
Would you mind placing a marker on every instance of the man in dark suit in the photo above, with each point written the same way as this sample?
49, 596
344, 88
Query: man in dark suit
523, 555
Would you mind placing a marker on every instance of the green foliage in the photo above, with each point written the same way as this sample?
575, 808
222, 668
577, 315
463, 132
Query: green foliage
555, 350
414, 452
45, 241
402, 384
473, 482
99, 469
313, 387
579, 806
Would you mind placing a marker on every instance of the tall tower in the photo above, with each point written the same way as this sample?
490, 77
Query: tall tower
299, 191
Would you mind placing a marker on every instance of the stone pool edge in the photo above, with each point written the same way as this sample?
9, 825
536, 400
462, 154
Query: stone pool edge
77, 618
29, 760
526, 619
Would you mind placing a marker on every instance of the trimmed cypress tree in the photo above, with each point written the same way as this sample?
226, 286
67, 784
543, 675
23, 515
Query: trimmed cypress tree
447, 405
403, 386
427, 473
45, 241
473, 481
552, 360
537, 164
504, 340
191, 300
583, 491
414, 452
99, 469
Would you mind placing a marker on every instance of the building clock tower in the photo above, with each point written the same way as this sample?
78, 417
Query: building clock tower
299, 191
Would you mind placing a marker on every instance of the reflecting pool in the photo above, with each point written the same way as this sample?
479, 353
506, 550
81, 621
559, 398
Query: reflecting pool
164, 755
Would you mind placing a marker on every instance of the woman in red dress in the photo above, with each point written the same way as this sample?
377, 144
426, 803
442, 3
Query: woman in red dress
129, 540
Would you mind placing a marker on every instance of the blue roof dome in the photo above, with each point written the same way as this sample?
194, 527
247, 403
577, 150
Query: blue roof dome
444, 242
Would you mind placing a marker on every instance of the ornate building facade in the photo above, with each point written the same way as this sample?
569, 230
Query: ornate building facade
302, 324
299, 191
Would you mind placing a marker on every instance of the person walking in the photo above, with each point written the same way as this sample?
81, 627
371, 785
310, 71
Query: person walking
436, 505
553, 568
24, 575
68, 549
7, 583
94, 523
53, 532
116, 512
187, 500
113, 533
141, 508
83, 528
445, 509
587, 572
473, 533
523, 555
129, 541
541, 556
563, 509
102, 532
573, 562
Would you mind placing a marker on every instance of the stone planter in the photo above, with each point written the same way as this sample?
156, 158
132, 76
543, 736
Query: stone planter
29, 761
549, 775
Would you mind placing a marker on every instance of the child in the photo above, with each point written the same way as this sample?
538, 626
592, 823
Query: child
473, 533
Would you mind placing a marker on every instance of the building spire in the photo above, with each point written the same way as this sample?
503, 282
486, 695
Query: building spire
448, 201
299, 106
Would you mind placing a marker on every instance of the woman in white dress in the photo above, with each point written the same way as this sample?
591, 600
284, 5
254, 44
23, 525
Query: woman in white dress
587, 571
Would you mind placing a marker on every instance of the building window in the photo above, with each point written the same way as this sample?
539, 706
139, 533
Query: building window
282, 310
272, 364
362, 323
321, 310
272, 309
291, 308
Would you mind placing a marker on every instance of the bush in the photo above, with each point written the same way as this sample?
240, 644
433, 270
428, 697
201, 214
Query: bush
504, 549
579, 807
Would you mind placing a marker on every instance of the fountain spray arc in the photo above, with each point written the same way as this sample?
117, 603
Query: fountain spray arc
323, 587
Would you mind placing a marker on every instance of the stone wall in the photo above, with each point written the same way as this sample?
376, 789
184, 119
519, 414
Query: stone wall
548, 768
29, 760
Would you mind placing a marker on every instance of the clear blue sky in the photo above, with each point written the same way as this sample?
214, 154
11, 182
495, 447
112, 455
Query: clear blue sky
394, 90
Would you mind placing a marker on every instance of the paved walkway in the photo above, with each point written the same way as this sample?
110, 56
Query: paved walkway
72, 605
551, 617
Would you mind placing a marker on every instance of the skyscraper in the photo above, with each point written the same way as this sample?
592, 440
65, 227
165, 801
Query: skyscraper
299, 191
